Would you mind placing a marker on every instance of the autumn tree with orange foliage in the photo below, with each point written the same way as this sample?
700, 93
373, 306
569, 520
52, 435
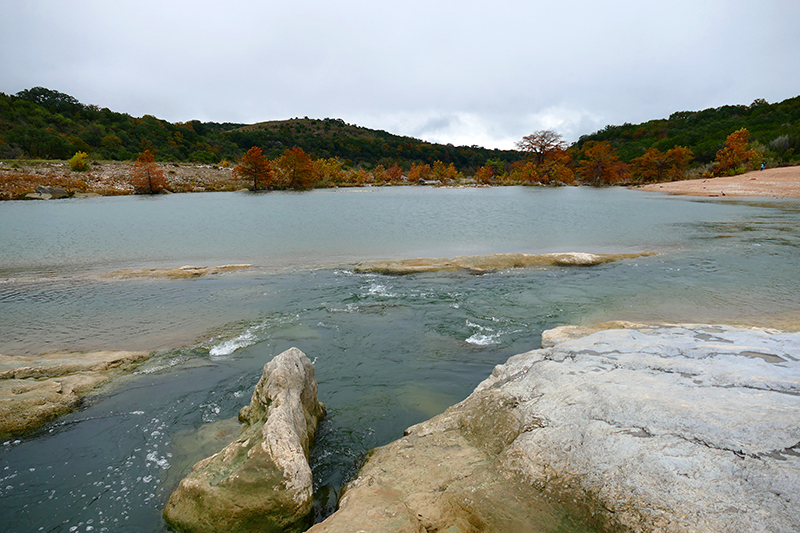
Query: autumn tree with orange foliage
548, 161
361, 177
387, 176
380, 176
146, 177
541, 143
600, 164
485, 175
395, 173
491, 172
329, 172
445, 173
735, 157
417, 173
655, 165
557, 168
254, 167
294, 170
525, 173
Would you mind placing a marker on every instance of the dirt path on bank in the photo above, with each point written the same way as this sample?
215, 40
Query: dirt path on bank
777, 182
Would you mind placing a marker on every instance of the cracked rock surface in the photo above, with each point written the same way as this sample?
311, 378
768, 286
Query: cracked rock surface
647, 428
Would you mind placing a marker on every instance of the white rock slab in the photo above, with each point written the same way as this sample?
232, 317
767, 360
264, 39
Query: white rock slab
686, 428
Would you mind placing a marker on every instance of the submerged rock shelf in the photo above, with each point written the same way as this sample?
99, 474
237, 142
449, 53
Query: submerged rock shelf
487, 263
648, 428
178, 272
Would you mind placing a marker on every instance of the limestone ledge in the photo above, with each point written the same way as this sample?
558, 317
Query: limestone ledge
486, 263
620, 427
176, 273
34, 390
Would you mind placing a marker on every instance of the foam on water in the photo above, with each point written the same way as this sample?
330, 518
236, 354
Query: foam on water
481, 339
248, 338
100, 499
491, 335
378, 289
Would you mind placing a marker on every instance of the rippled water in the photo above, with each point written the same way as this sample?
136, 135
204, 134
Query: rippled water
389, 351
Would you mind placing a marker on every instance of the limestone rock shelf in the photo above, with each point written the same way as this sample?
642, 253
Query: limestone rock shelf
671, 428
34, 390
486, 263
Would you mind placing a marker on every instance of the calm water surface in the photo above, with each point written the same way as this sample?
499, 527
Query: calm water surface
389, 351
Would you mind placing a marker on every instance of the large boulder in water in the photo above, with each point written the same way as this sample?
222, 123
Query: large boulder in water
262, 480
672, 428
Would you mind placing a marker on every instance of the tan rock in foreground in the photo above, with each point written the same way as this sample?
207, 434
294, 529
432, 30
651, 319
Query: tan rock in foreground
262, 480
34, 390
672, 428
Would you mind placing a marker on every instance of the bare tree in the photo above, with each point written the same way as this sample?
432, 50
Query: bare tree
540, 143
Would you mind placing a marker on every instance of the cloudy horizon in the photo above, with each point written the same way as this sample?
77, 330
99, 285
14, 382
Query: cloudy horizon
465, 73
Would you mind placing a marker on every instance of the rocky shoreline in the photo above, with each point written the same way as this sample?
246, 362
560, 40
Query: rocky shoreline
619, 427
647, 428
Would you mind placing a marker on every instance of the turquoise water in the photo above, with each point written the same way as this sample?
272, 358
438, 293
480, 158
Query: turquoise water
389, 351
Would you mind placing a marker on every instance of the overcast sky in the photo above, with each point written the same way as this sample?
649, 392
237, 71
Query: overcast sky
467, 72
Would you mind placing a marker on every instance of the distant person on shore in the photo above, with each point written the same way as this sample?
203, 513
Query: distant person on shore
763, 165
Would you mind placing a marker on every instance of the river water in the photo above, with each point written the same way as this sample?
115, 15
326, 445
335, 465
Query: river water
389, 351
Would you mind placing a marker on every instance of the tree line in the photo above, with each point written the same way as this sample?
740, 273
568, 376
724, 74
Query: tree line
306, 153
774, 132
548, 161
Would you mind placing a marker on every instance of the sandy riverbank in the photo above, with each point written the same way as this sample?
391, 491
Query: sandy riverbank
775, 182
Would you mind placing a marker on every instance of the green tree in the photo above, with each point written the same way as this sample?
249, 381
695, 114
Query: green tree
50, 99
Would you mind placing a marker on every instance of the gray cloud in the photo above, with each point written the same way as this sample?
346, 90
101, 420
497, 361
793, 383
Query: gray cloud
463, 72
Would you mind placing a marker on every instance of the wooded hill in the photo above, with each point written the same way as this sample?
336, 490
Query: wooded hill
775, 127
41, 123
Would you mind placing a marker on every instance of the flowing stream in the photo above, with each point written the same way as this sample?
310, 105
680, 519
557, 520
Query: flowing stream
389, 351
